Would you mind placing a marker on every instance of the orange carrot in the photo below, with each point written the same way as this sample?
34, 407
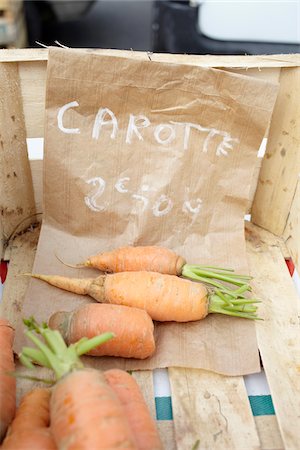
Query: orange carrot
164, 297
127, 259
7, 382
165, 261
30, 428
85, 413
132, 327
141, 423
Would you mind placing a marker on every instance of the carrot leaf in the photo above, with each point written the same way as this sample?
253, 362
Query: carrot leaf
52, 351
245, 308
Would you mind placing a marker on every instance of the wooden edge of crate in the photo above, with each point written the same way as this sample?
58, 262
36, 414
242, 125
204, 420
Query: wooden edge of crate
208, 408
235, 61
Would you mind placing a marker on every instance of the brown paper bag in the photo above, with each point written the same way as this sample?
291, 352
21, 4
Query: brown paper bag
139, 152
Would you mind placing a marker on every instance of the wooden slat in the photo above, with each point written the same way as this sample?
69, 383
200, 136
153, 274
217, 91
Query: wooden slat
281, 165
278, 334
167, 434
292, 230
237, 61
268, 432
33, 88
212, 410
16, 195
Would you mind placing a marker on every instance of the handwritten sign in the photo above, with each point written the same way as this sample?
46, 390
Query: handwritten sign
163, 134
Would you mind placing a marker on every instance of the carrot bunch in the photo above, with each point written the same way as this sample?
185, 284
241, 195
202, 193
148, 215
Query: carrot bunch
111, 414
165, 297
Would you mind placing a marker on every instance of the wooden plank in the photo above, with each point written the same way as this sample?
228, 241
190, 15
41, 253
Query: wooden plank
212, 410
292, 230
278, 334
281, 165
33, 88
16, 197
22, 256
238, 61
167, 434
268, 432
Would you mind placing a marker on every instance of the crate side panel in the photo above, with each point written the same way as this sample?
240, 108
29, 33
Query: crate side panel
278, 333
16, 197
281, 165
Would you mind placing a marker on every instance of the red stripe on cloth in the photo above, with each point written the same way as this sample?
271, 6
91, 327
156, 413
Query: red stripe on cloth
290, 265
3, 271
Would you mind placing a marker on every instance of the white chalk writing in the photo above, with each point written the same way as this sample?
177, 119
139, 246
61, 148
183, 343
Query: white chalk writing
163, 134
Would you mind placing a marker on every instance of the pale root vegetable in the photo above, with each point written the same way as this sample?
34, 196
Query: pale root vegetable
30, 427
164, 297
143, 426
132, 327
85, 412
7, 382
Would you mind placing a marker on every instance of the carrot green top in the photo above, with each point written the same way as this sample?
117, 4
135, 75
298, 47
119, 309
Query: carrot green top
52, 351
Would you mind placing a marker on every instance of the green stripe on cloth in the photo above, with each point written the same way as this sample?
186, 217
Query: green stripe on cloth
163, 408
261, 405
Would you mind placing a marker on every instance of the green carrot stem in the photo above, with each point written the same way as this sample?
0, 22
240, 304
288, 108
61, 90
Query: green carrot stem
36, 356
234, 313
226, 278
218, 305
242, 308
217, 273
49, 355
244, 301
224, 298
85, 346
26, 361
53, 352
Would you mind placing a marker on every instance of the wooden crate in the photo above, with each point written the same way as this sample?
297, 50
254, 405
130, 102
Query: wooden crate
13, 33
209, 410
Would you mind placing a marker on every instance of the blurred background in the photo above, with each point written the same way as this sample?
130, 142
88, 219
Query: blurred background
198, 26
